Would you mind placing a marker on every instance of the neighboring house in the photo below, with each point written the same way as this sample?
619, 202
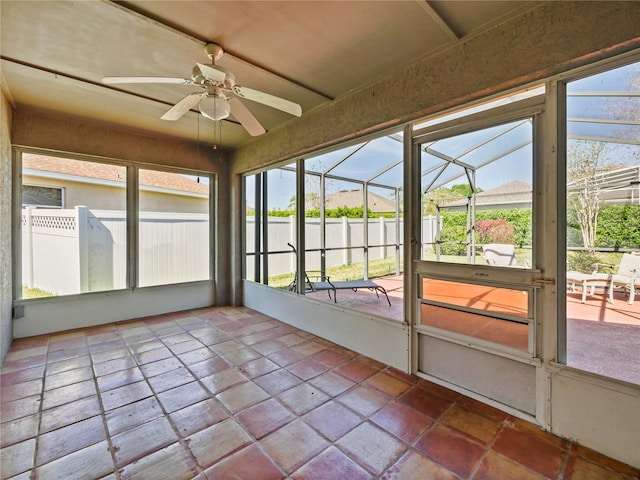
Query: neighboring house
516, 194
53, 182
355, 199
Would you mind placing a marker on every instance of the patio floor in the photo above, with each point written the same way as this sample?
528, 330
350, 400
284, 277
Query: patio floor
602, 338
229, 394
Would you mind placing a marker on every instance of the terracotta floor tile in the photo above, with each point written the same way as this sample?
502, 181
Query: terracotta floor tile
248, 463
26, 352
227, 347
198, 416
91, 462
405, 377
207, 452
137, 442
172, 462
197, 356
529, 451
20, 376
483, 409
402, 421
425, 402
332, 420
71, 438
264, 418
171, 379
451, 450
182, 396
124, 395
331, 464
8, 393
363, 400
208, 367
176, 338
68, 378
19, 408
161, 366
242, 396
259, 366
70, 364
220, 381
293, 445
19, 430
371, 447
119, 379
108, 354
331, 383
238, 357
497, 467
269, 346
292, 339
286, 357
388, 384
472, 424
154, 355
115, 365
186, 347
536, 431
331, 358
309, 348
303, 398
356, 370
412, 466
23, 363
580, 469
307, 368
69, 413
438, 390
278, 381
17, 458
132, 415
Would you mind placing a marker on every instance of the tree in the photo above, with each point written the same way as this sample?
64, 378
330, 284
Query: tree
585, 159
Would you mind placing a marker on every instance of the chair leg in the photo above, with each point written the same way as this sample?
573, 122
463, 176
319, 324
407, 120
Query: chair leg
632, 294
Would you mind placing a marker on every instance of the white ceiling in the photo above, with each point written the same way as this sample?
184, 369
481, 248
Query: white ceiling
55, 53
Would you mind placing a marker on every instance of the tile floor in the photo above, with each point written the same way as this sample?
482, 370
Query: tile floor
228, 393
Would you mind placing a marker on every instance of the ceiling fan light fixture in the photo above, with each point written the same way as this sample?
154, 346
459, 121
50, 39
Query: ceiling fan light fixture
215, 107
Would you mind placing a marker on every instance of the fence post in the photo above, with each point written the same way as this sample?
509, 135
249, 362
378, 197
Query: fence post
383, 237
82, 238
27, 254
346, 256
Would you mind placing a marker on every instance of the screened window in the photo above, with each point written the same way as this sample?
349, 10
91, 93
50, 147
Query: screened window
80, 248
603, 226
173, 228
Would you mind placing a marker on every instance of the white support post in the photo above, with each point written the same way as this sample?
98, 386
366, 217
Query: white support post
82, 237
27, 256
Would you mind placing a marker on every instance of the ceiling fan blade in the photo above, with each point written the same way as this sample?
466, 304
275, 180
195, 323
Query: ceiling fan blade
269, 100
212, 73
177, 81
246, 118
182, 107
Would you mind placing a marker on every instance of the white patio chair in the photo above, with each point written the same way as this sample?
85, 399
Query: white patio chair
625, 278
501, 255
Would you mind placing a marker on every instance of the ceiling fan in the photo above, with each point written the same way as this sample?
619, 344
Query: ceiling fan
219, 95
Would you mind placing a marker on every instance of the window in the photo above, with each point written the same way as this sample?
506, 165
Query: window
173, 228
80, 248
603, 226
43, 197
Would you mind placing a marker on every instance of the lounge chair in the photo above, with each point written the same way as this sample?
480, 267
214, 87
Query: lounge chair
501, 255
627, 276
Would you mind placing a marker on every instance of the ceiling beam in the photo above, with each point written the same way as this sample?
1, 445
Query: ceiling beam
439, 20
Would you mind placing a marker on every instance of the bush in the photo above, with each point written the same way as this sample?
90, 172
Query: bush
494, 231
453, 233
584, 262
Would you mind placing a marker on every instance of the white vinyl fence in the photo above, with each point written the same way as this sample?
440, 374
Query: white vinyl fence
344, 241
80, 250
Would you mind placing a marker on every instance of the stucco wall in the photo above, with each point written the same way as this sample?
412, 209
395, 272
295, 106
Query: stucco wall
6, 329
